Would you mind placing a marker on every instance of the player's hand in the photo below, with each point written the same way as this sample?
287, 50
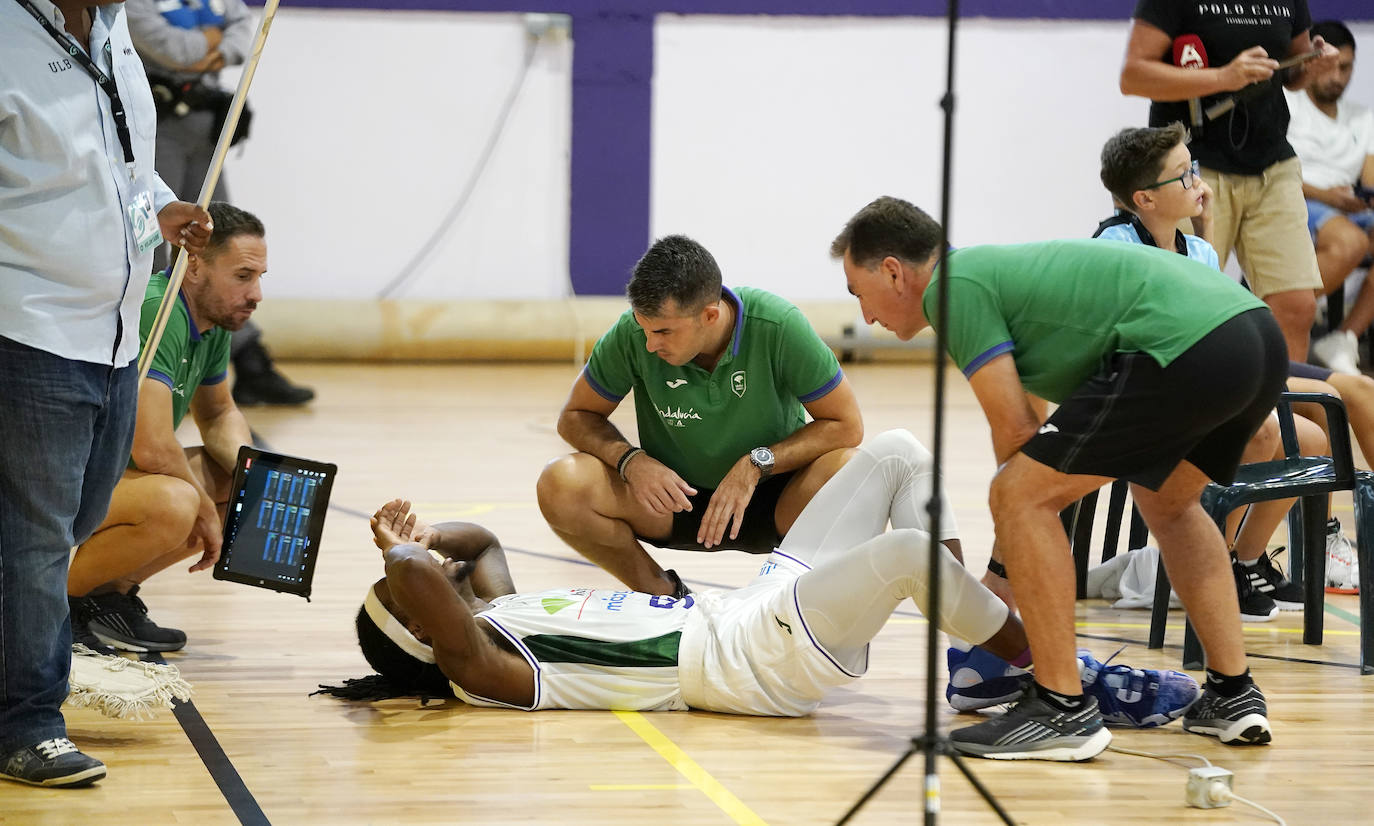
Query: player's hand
393, 524
656, 486
726, 510
1250, 66
185, 225
1001, 587
207, 534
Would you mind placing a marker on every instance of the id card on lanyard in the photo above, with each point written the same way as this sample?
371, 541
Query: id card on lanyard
142, 218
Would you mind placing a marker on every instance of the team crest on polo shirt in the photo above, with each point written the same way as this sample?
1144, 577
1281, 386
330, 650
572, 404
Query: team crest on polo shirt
737, 383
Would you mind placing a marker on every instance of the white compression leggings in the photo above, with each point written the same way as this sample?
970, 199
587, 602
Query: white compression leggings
859, 574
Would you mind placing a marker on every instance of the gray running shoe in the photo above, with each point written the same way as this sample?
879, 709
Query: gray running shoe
1034, 730
121, 620
1239, 720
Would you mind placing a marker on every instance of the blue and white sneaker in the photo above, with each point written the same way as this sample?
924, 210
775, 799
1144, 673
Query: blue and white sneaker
979, 679
1141, 698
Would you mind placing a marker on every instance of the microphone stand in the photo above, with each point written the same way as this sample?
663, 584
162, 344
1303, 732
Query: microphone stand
932, 744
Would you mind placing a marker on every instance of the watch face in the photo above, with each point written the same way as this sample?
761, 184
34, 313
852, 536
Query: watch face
762, 456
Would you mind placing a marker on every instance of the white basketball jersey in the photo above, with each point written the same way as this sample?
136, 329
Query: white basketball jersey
593, 648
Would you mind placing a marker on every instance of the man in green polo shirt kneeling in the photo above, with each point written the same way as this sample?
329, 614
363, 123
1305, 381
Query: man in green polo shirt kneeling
723, 381
169, 504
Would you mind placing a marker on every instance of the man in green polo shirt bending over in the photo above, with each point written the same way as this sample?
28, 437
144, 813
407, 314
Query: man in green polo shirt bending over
1162, 369
169, 503
723, 382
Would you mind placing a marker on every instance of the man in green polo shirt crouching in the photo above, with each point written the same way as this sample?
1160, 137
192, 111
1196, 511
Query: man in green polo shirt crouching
723, 382
169, 504
1163, 368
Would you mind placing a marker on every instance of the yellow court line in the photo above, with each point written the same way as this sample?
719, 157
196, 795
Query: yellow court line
733, 807
640, 787
464, 510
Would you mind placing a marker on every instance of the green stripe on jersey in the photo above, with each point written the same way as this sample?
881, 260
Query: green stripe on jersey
655, 652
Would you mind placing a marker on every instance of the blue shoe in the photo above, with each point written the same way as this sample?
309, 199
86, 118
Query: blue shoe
1136, 697
979, 679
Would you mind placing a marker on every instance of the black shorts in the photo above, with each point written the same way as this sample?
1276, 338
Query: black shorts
758, 534
1136, 420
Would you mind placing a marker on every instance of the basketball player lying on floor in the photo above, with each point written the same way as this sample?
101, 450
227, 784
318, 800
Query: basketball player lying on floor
773, 647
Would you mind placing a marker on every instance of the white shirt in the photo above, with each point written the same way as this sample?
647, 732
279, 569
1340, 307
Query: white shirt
1332, 152
70, 269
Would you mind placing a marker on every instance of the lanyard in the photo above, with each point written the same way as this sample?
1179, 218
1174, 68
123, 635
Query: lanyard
106, 83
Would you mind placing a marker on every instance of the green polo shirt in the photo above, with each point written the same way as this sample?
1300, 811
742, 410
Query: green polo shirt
700, 423
185, 359
1062, 308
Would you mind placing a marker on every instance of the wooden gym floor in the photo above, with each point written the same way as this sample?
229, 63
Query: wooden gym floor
467, 442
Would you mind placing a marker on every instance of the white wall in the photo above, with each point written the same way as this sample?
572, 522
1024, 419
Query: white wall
768, 134
367, 126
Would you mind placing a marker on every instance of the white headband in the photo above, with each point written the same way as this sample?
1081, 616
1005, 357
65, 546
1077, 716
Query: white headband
394, 630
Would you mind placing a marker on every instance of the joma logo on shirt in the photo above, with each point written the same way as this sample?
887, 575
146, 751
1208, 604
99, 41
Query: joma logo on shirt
674, 418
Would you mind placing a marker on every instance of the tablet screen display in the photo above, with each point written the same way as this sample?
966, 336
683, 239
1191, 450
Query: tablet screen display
274, 521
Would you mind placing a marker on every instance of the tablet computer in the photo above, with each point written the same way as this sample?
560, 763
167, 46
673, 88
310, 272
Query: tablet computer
274, 520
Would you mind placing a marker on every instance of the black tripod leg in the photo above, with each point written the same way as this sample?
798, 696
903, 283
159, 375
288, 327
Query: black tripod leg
873, 790
980, 788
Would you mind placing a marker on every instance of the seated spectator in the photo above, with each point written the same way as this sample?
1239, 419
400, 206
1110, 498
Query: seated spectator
1334, 139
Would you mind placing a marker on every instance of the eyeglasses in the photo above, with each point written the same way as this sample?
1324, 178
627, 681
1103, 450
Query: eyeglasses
1189, 175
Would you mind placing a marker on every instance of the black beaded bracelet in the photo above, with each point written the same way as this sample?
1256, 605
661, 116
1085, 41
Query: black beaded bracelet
997, 569
625, 460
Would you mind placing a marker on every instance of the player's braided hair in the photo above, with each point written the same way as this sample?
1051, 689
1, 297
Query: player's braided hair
399, 674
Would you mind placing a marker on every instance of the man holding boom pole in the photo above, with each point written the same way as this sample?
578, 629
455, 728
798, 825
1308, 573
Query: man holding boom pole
83, 210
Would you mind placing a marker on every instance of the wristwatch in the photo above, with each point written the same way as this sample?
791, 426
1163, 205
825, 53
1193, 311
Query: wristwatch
762, 458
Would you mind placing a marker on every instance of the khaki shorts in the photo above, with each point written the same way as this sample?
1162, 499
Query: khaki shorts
1264, 219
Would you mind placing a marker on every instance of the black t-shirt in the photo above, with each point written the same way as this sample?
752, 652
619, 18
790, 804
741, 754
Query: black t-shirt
1254, 135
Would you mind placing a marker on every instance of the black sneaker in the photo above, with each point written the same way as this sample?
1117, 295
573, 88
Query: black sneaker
256, 380
1254, 605
1266, 578
82, 609
1034, 730
1240, 720
122, 620
56, 763
270, 387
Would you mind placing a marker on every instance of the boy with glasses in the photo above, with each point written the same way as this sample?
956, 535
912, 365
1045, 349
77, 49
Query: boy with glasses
1151, 175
